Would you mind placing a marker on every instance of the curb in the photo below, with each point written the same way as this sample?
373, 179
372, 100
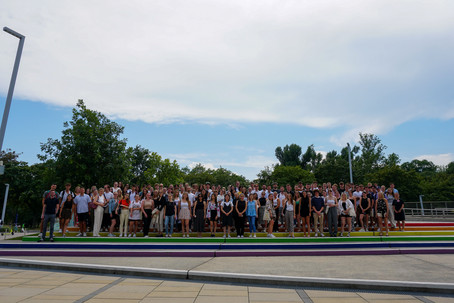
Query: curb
357, 284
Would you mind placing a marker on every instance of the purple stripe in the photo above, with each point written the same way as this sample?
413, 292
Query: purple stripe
36, 253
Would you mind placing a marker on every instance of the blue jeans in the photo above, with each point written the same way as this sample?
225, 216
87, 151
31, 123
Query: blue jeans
251, 220
169, 219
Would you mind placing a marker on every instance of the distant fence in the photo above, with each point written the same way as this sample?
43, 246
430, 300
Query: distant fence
430, 209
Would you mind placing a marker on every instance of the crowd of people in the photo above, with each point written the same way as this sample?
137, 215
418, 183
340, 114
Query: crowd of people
187, 208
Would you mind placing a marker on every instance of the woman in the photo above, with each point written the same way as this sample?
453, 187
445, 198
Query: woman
240, 209
269, 216
170, 211
199, 214
226, 211
399, 213
100, 201
123, 210
290, 215
159, 204
332, 205
277, 207
66, 212
113, 205
345, 207
389, 196
381, 209
134, 215
185, 214
213, 212
305, 213
252, 214
262, 206
363, 211
146, 208
298, 209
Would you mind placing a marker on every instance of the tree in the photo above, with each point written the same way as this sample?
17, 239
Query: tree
424, 166
371, 158
199, 174
139, 159
334, 168
162, 170
90, 150
289, 156
392, 160
291, 175
311, 159
265, 175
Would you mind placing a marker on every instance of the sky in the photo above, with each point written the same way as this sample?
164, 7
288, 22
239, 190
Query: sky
223, 83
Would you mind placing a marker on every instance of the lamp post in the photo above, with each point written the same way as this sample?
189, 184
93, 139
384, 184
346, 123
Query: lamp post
350, 163
12, 83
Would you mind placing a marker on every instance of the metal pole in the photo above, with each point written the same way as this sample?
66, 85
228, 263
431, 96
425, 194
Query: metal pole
350, 162
422, 206
12, 83
4, 203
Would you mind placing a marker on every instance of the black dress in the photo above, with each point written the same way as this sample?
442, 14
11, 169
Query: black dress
304, 208
398, 205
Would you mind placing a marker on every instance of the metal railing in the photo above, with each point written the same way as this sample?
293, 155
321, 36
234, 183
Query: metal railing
430, 209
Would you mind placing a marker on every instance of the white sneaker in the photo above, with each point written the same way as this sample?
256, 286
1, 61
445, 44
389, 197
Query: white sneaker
85, 234
121, 235
238, 236
322, 234
41, 235
242, 236
272, 236
134, 236
79, 235
361, 230
254, 236
229, 236
348, 235
129, 236
224, 236
145, 236
316, 235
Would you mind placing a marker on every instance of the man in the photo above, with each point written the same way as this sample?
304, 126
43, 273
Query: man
53, 187
63, 196
108, 195
318, 206
50, 209
81, 202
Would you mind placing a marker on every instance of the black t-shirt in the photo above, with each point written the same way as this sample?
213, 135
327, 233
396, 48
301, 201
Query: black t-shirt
262, 201
51, 205
170, 208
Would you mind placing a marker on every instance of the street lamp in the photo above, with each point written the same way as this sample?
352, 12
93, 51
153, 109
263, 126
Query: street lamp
350, 163
12, 83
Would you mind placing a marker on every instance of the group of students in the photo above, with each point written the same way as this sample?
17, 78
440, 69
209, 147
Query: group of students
306, 207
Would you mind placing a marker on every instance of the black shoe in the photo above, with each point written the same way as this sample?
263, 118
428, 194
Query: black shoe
51, 239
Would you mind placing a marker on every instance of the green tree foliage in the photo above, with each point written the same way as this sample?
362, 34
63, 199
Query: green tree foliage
290, 175
139, 162
334, 168
424, 167
289, 155
371, 158
311, 159
200, 174
162, 170
90, 151
408, 182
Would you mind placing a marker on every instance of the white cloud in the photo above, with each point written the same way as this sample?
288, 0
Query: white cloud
366, 66
438, 159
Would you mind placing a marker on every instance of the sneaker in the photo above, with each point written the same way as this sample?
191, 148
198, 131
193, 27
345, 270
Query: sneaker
146, 236
348, 235
250, 235
134, 236
170, 236
238, 236
254, 236
129, 236
228, 236
40, 235
361, 230
40, 240
51, 239
316, 235
85, 234
224, 236
272, 236
121, 235
79, 235
322, 234
341, 234
242, 236
64, 236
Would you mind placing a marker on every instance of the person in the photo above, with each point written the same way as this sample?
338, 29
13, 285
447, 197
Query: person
269, 215
199, 213
184, 214
81, 202
290, 215
345, 208
363, 212
53, 187
399, 213
226, 214
100, 201
381, 209
112, 206
240, 208
106, 220
252, 214
297, 200
318, 207
147, 208
390, 198
170, 211
305, 213
262, 204
66, 212
277, 205
123, 210
213, 212
63, 196
50, 209
135, 216
159, 203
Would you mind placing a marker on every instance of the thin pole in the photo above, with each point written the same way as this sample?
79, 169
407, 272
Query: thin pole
4, 203
350, 163
12, 83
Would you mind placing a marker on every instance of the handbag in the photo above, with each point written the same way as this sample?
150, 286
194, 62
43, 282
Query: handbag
92, 205
352, 212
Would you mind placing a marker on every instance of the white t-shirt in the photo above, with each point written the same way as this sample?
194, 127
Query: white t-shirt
135, 214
